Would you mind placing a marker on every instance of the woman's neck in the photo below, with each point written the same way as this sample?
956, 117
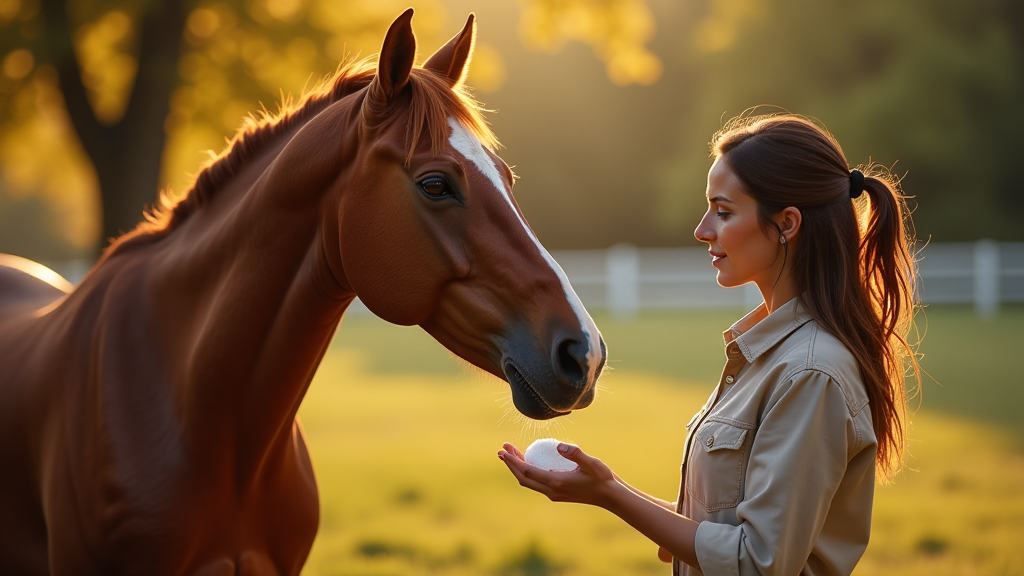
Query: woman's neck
777, 293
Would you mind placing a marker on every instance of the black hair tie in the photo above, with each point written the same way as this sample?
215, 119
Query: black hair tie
856, 183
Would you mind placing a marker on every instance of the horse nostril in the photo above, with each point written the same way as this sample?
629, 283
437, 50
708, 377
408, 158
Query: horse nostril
571, 361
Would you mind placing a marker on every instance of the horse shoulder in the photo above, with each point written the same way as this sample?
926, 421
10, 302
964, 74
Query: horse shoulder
26, 290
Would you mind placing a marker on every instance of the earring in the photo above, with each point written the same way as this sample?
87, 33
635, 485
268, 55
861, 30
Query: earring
782, 239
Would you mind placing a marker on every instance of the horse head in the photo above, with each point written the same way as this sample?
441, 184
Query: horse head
430, 234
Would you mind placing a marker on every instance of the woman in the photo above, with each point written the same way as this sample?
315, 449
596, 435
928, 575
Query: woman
779, 466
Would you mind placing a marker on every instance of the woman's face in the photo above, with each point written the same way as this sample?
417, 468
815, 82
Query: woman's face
740, 249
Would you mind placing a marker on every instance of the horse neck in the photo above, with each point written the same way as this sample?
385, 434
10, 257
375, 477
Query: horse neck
247, 303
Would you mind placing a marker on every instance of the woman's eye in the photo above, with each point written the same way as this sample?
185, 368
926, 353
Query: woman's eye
722, 215
436, 187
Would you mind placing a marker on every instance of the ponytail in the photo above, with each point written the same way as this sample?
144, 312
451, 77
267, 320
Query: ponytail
889, 273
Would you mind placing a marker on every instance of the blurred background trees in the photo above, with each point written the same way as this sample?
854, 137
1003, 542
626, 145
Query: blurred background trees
933, 89
605, 106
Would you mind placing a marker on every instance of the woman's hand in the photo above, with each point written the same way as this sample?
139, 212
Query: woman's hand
591, 483
594, 483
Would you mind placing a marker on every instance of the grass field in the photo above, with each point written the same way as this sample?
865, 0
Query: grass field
404, 439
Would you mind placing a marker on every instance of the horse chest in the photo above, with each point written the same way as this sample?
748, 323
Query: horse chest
267, 528
163, 511
203, 526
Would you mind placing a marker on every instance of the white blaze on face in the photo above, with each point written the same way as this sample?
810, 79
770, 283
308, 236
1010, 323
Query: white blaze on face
467, 144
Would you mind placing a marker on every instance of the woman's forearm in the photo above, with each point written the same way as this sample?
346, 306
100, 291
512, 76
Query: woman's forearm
663, 503
655, 519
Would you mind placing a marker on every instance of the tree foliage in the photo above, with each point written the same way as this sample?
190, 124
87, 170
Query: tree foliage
932, 89
618, 31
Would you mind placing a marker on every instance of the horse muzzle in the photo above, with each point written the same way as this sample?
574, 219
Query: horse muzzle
547, 383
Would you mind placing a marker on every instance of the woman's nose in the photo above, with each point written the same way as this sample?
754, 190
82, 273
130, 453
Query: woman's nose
703, 232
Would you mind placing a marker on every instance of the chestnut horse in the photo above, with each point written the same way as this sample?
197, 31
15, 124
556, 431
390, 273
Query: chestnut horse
147, 417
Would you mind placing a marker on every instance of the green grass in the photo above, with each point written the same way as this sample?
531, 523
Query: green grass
404, 439
975, 368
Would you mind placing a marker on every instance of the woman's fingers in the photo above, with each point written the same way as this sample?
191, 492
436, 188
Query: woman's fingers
522, 471
514, 451
572, 452
577, 455
585, 461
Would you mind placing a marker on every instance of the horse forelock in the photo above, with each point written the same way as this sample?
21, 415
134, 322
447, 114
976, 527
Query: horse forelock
434, 101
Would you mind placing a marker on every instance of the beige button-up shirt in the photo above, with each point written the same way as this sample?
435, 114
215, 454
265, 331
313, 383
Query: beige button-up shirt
779, 465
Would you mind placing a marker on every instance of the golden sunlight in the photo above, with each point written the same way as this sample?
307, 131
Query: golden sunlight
9, 10
18, 64
108, 69
60, 175
487, 71
616, 30
284, 10
634, 65
203, 23
717, 32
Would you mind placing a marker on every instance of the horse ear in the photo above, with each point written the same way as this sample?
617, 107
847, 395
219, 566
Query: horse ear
451, 60
396, 58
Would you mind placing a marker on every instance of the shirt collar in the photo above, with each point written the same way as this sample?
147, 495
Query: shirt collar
759, 331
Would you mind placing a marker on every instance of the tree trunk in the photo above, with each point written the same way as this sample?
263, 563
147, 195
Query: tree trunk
126, 155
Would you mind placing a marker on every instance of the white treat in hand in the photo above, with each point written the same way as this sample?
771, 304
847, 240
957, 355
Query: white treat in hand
544, 454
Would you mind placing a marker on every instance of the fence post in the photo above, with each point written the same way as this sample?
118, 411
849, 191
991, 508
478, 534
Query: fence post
623, 273
986, 278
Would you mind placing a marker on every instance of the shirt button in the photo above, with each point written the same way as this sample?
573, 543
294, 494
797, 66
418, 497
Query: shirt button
710, 442
729, 379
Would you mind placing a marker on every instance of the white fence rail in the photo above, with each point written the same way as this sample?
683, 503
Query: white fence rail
625, 279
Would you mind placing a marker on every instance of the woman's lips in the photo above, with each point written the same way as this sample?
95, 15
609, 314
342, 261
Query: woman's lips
716, 258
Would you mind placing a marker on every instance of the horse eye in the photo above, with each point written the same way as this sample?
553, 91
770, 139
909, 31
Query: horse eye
435, 187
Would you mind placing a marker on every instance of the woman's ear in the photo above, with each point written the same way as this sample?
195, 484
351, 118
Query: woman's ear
789, 220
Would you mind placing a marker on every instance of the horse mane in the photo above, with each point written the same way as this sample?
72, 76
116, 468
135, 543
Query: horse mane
431, 103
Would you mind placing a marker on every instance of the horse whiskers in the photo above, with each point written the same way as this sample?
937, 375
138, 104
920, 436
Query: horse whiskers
507, 415
474, 371
533, 429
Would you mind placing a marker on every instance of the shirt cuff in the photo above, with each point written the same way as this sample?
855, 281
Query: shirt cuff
717, 547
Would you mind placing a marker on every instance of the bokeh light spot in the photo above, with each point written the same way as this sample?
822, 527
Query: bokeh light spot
18, 64
487, 70
616, 30
284, 10
203, 23
9, 9
114, 26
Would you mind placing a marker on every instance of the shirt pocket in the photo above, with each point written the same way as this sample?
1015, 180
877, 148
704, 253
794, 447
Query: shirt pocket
715, 473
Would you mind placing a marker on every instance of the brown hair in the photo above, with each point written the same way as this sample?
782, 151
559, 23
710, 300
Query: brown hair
853, 264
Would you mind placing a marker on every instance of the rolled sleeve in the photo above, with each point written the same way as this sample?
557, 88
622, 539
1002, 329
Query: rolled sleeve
797, 462
712, 543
